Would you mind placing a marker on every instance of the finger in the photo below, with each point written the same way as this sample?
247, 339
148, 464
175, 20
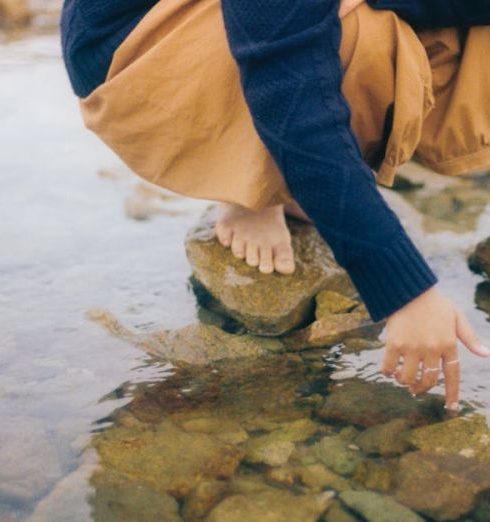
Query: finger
431, 371
390, 361
452, 376
408, 373
468, 337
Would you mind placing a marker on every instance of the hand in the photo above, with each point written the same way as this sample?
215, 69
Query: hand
346, 6
424, 332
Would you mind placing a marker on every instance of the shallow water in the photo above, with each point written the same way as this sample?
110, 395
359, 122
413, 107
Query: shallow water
71, 244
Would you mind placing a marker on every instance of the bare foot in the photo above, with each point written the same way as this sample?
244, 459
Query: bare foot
261, 238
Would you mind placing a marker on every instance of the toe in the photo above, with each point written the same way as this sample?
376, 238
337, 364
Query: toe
266, 266
284, 258
225, 234
238, 247
252, 255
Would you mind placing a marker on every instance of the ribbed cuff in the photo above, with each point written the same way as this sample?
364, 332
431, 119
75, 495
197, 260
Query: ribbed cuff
389, 278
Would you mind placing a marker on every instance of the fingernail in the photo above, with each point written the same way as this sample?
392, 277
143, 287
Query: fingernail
453, 406
483, 350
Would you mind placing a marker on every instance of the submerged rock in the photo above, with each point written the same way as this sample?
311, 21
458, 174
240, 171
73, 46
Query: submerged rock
482, 296
479, 261
275, 448
202, 499
375, 507
442, 487
271, 505
466, 436
387, 440
194, 344
266, 304
167, 458
365, 403
337, 454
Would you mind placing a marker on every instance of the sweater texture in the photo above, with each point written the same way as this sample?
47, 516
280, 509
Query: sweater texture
288, 55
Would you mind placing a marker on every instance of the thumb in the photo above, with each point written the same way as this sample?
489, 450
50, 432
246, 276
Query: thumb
468, 337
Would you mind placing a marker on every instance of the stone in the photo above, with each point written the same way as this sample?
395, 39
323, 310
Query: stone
330, 302
336, 513
467, 436
332, 329
197, 344
266, 304
334, 452
225, 430
387, 440
118, 497
375, 507
442, 487
482, 296
479, 260
166, 458
202, 499
356, 345
275, 448
29, 461
376, 476
271, 505
317, 477
368, 403
14, 13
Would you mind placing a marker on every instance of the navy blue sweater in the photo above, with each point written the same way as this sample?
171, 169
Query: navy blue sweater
288, 55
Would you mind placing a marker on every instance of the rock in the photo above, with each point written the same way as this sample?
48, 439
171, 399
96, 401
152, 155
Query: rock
482, 296
29, 462
14, 13
202, 499
167, 459
118, 497
271, 505
198, 344
375, 507
482, 511
267, 304
466, 436
376, 476
318, 478
225, 430
329, 302
442, 487
332, 329
275, 448
356, 345
335, 453
386, 439
479, 261
336, 513
366, 403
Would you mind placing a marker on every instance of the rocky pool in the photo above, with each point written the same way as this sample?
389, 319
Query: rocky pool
97, 425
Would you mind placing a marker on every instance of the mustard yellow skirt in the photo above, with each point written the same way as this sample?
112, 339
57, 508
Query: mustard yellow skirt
172, 106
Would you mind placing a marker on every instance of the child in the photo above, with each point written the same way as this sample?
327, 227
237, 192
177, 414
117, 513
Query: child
159, 85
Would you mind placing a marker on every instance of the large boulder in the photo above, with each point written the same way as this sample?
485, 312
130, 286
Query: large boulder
266, 304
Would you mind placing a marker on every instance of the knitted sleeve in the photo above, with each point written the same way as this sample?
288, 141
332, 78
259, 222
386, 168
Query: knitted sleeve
433, 14
288, 55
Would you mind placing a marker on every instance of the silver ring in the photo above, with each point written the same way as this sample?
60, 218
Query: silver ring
432, 369
454, 361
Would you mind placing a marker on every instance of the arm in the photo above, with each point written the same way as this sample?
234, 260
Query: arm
434, 14
288, 55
